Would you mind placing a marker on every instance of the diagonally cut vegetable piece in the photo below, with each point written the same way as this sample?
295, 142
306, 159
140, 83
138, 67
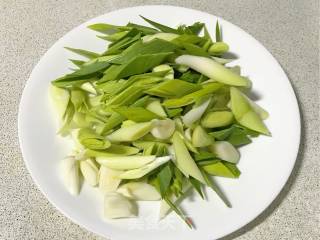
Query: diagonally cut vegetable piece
137, 114
263, 114
225, 151
218, 48
184, 160
131, 94
192, 97
77, 62
165, 208
196, 113
222, 169
108, 180
200, 138
116, 119
88, 87
60, 98
119, 46
164, 178
161, 27
118, 206
113, 151
213, 70
187, 134
217, 119
90, 171
156, 107
108, 58
218, 32
213, 185
125, 162
140, 172
71, 174
79, 100
163, 129
88, 138
164, 36
222, 60
84, 53
143, 29
137, 65
244, 113
107, 28
195, 50
83, 74
140, 191
155, 46
187, 38
198, 186
173, 89
114, 37
131, 133
192, 29
165, 67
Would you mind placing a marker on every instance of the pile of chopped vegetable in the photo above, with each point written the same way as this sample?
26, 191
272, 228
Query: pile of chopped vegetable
155, 115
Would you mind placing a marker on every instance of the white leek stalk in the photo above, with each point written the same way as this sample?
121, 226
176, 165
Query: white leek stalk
60, 98
139, 191
195, 114
140, 172
214, 70
90, 171
118, 206
125, 162
108, 179
163, 129
130, 133
71, 174
155, 107
225, 151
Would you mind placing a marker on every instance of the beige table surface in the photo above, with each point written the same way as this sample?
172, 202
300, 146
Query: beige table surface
289, 29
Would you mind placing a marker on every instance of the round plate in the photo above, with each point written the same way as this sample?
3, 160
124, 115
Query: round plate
265, 164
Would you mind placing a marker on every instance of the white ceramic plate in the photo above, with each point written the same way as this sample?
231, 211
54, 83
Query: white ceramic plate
265, 164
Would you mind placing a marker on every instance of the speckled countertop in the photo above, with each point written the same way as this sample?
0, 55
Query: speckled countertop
288, 29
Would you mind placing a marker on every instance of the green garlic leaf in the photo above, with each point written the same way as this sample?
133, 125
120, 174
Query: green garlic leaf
137, 65
218, 33
143, 29
107, 28
173, 89
197, 186
159, 26
223, 169
164, 178
84, 53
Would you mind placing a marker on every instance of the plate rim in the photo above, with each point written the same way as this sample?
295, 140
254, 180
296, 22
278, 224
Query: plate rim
240, 225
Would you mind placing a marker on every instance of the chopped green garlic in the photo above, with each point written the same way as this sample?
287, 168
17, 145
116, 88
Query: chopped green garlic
155, 114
